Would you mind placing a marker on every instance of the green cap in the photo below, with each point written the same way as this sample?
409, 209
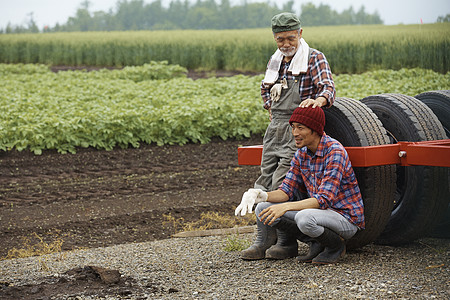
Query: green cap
285, 22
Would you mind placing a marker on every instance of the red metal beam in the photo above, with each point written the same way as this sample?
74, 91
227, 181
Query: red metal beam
250, 155
374, 155
426, 153
434, 153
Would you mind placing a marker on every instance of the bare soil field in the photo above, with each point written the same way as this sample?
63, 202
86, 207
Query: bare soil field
98, 198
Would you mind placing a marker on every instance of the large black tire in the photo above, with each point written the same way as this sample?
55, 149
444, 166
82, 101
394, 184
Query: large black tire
420, 198
439, 103
353, 124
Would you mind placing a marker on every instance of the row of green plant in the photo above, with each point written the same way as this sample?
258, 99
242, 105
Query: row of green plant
349, 49
105, 109
65, 110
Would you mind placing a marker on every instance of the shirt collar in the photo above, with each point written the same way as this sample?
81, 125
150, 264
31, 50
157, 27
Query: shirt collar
320, 148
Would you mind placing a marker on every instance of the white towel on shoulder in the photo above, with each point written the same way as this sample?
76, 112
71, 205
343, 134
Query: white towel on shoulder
298, 65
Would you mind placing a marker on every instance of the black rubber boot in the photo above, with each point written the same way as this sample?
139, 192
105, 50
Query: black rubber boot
315, 248
334, 248
286, 246
266, 236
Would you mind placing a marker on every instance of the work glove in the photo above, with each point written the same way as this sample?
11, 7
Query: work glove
250, 197
275, 92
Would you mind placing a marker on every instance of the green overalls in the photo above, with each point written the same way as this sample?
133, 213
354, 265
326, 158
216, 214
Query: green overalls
279, 145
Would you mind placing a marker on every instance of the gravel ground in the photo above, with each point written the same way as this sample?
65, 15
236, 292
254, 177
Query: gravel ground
200, 268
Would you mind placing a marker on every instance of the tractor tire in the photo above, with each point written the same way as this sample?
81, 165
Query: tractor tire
353, 124
420, 198
439, 102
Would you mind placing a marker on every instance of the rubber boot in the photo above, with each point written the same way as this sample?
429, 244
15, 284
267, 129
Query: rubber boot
334, 248
315, 248
266, 236
286, 246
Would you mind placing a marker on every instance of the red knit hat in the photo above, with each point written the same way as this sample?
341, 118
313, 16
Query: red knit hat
313, 118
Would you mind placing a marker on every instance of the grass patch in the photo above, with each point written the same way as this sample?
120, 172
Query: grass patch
234, 243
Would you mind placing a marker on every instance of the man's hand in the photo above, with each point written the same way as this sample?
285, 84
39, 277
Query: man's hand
319, 102
250, 197
270, 214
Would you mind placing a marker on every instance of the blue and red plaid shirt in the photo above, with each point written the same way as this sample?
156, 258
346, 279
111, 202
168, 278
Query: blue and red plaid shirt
316, 82
327, 176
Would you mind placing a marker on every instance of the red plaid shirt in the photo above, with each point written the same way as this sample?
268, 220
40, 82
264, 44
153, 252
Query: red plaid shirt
318, 80
327, 176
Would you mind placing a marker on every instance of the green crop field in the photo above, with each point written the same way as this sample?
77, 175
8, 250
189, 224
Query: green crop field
154, 103
349, 49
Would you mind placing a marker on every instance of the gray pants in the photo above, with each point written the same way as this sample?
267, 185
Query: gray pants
312, 221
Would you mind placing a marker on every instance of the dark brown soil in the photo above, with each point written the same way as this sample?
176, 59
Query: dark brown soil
87, 281
98, 198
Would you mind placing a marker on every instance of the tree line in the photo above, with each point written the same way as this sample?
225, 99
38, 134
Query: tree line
203, 14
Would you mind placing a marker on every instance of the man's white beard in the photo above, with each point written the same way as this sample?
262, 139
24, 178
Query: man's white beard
288, 51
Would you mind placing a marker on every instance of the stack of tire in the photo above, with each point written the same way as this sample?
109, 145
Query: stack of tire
402, 204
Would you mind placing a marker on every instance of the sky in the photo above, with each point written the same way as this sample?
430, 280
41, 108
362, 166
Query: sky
392, 12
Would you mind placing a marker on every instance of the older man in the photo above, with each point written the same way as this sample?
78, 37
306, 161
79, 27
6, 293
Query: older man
296, 75
330, 209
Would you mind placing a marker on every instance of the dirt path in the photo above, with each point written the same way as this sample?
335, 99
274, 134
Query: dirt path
100, 198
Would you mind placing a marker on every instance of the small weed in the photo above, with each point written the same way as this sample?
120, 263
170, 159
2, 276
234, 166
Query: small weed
234, 243
169, 219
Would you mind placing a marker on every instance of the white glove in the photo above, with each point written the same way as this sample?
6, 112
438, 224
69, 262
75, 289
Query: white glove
250, 197
275, 92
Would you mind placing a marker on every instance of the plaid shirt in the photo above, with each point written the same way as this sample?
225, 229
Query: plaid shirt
327, 176
317, 81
